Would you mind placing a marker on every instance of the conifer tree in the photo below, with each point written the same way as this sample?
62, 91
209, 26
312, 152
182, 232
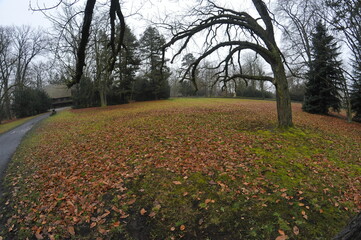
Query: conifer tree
325, 74
127, 65
151, 44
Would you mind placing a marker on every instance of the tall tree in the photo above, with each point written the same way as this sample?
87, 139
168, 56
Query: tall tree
222, 29
151, 44
102, 79
115, 13
127, 65
7, 64
324, 85
298, 19
346, 18
186, 88
28, 44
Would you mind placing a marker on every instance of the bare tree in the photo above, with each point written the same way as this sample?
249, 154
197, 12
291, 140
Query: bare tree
7, 62
298, 19
346, 18
215, 21
115, 14
66, 37
38, 72
28, 44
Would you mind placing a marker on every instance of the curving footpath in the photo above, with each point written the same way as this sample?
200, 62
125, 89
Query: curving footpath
10, 140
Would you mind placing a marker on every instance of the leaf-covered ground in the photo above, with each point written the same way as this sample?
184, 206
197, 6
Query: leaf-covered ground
184, 168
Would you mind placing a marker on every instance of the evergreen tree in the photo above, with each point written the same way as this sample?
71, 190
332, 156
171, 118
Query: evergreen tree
127, 66
325, 74
151, 49
187, 87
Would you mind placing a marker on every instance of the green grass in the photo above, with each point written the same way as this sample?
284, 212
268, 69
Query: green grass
5, 127
184, 169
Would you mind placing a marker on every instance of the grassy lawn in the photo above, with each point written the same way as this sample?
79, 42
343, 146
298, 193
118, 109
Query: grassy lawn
13, 124
184, 169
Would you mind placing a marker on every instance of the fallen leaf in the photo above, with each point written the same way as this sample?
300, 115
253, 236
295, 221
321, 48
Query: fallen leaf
182, 227
11, 228
105, 214
38, 235
172, 229
143, 211
93, 224
282, 237
124, 216
102, 231
177, 182
296, 230
152, 214
116, 224
71, 230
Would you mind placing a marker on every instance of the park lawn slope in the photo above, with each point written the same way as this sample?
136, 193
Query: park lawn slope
184, 168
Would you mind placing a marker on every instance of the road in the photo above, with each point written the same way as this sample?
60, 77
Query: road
10, 140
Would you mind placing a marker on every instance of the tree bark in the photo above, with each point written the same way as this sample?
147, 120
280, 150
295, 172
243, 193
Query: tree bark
103, 97
284, 110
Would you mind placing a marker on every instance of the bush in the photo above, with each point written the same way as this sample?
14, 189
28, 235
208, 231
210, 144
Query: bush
29, 102
145, 90
252, 92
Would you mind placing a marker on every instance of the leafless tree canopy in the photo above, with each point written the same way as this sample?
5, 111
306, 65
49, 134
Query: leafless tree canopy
115, 14
215, 21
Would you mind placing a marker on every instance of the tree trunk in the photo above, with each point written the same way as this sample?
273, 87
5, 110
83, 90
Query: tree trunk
348, 100
103, 98
284, 110
262, 89
6, 105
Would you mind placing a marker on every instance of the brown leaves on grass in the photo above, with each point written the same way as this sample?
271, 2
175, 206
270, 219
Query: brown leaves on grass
81, 155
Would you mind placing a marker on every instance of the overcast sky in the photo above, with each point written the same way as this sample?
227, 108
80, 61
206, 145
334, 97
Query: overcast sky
17, 12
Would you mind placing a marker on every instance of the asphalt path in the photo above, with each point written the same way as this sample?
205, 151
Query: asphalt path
10, 140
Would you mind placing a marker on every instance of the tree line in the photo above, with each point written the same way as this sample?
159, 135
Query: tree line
111, 66
21, 79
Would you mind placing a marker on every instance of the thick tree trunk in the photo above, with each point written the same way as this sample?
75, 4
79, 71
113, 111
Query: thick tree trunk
284, 110
103, 97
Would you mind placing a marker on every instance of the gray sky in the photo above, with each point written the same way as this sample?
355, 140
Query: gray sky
17, 12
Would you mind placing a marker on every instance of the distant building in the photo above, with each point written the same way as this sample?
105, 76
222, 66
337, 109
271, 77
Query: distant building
60, 95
